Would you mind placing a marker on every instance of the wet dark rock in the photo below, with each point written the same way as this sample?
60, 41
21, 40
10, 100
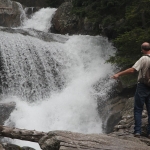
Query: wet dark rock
5, 111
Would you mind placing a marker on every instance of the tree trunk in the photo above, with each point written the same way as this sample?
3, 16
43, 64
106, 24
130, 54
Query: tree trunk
22, 134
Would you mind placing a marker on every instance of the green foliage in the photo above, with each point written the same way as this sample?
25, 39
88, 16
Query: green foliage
137, 14
108, 20
129, 46
79, 12
53, 3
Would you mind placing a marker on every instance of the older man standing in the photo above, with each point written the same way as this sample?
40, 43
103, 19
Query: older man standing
142, 94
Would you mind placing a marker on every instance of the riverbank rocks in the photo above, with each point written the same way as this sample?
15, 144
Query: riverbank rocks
11, 13
125, 127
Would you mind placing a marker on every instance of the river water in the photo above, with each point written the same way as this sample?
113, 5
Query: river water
53, 82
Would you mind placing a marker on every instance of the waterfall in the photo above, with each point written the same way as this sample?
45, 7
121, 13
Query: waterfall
53, 82
41, 20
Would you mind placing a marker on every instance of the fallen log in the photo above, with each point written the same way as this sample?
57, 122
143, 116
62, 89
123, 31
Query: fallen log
21, 134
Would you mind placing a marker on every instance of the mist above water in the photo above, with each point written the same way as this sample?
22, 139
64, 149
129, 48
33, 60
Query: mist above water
52, 83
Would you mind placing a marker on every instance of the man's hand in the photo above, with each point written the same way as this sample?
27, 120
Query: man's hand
115, 76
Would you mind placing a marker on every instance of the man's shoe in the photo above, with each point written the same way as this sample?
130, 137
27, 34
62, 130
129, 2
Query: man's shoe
137, 135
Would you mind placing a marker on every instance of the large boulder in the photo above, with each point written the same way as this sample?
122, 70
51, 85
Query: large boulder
64, 21
11, 13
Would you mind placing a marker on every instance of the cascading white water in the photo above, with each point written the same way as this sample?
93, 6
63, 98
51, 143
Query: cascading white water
65, 72
41, 20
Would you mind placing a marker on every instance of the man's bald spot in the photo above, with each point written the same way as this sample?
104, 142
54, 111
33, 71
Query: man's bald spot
145, 46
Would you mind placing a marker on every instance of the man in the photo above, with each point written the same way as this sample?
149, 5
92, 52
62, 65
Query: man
142, 94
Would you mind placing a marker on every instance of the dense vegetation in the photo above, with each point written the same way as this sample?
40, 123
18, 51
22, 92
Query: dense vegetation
128, 21
54, 3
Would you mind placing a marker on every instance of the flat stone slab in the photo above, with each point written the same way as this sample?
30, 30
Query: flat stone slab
65, 140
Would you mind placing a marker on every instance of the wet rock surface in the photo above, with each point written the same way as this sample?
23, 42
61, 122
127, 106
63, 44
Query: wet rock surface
5, 111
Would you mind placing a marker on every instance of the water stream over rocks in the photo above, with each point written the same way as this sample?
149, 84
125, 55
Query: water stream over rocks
52, 78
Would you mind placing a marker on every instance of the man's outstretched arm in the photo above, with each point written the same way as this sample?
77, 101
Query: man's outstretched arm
127, 71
